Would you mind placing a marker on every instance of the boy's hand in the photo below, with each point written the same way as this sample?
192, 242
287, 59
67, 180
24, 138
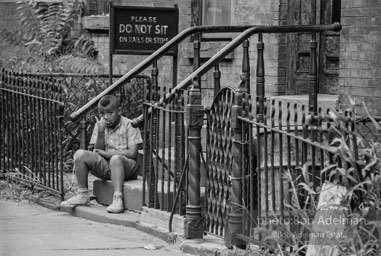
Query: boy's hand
102, 124
102, 153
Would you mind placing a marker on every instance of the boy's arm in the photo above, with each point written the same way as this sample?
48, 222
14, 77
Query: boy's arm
131, 152
100, 140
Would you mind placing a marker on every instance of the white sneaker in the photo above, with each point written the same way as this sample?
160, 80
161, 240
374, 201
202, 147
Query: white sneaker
79, 199
117, 205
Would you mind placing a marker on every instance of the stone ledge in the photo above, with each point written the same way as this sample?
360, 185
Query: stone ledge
96, 22
161, 219
207, 50
132, 193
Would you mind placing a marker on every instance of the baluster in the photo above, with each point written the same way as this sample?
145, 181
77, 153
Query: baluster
155, 86
321, 141
280, 173
314, 89
12, 122
55, 133
260, 78
217, 79
2, 124
194, 224
272, 158
245, 76
18, 118
313, 134
6, 122
296, 127
305, 127
23, 107
146, 144
34, 86
42, 88
157, 148
61, 112
155, 135
265, 166
196, 55
163, 150
46, 94
183, 135
169, 155
245, 89
289, 148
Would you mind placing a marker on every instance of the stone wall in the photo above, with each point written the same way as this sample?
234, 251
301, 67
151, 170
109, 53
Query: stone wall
360, 53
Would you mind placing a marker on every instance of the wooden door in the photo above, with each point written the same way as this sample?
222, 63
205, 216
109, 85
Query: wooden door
298, 56
329, 48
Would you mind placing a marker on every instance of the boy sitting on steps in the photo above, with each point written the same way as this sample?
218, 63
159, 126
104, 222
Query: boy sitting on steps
115, 149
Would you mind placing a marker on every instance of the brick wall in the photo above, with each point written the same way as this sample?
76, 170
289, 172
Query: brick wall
266, 12
123, 63
263, 12
360, 53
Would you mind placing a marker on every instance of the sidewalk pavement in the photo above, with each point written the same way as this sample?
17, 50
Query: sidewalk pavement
29, 229
210, 245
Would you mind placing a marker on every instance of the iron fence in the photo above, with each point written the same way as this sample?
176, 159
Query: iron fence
40, 138
283, 159
31, 130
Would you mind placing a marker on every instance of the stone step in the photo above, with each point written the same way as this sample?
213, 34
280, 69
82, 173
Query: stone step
103, 190
133, 193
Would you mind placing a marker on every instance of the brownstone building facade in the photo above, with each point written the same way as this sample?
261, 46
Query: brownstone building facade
349, 61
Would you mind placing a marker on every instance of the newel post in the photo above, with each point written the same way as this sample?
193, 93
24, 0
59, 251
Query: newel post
194, 223
235, 217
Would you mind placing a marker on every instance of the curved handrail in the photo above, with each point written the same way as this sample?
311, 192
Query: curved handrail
153, 57
234, 44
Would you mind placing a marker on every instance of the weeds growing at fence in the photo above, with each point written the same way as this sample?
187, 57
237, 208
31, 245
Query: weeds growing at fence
17, 186
20, 186
358, 173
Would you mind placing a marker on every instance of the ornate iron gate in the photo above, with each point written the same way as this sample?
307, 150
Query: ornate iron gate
219, 162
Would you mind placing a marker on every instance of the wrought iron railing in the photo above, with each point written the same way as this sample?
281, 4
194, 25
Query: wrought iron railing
31, 130
34, 112
195, 111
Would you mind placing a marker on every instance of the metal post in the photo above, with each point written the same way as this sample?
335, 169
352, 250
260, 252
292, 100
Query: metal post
194, 223
217, 77
260, 80
314, 89
313, 85
246, 66
196, 55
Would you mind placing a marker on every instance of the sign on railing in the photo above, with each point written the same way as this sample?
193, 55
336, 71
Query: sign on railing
142, 30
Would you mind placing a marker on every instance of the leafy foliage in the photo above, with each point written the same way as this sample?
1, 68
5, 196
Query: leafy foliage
50, 40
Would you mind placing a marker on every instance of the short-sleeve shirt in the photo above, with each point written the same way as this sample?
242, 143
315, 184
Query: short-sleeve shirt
121, 137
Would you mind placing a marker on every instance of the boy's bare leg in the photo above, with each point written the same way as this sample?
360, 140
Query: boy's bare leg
117, 176
117, 173
82, 161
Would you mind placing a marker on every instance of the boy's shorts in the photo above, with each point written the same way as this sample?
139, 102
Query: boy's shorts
101, 168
